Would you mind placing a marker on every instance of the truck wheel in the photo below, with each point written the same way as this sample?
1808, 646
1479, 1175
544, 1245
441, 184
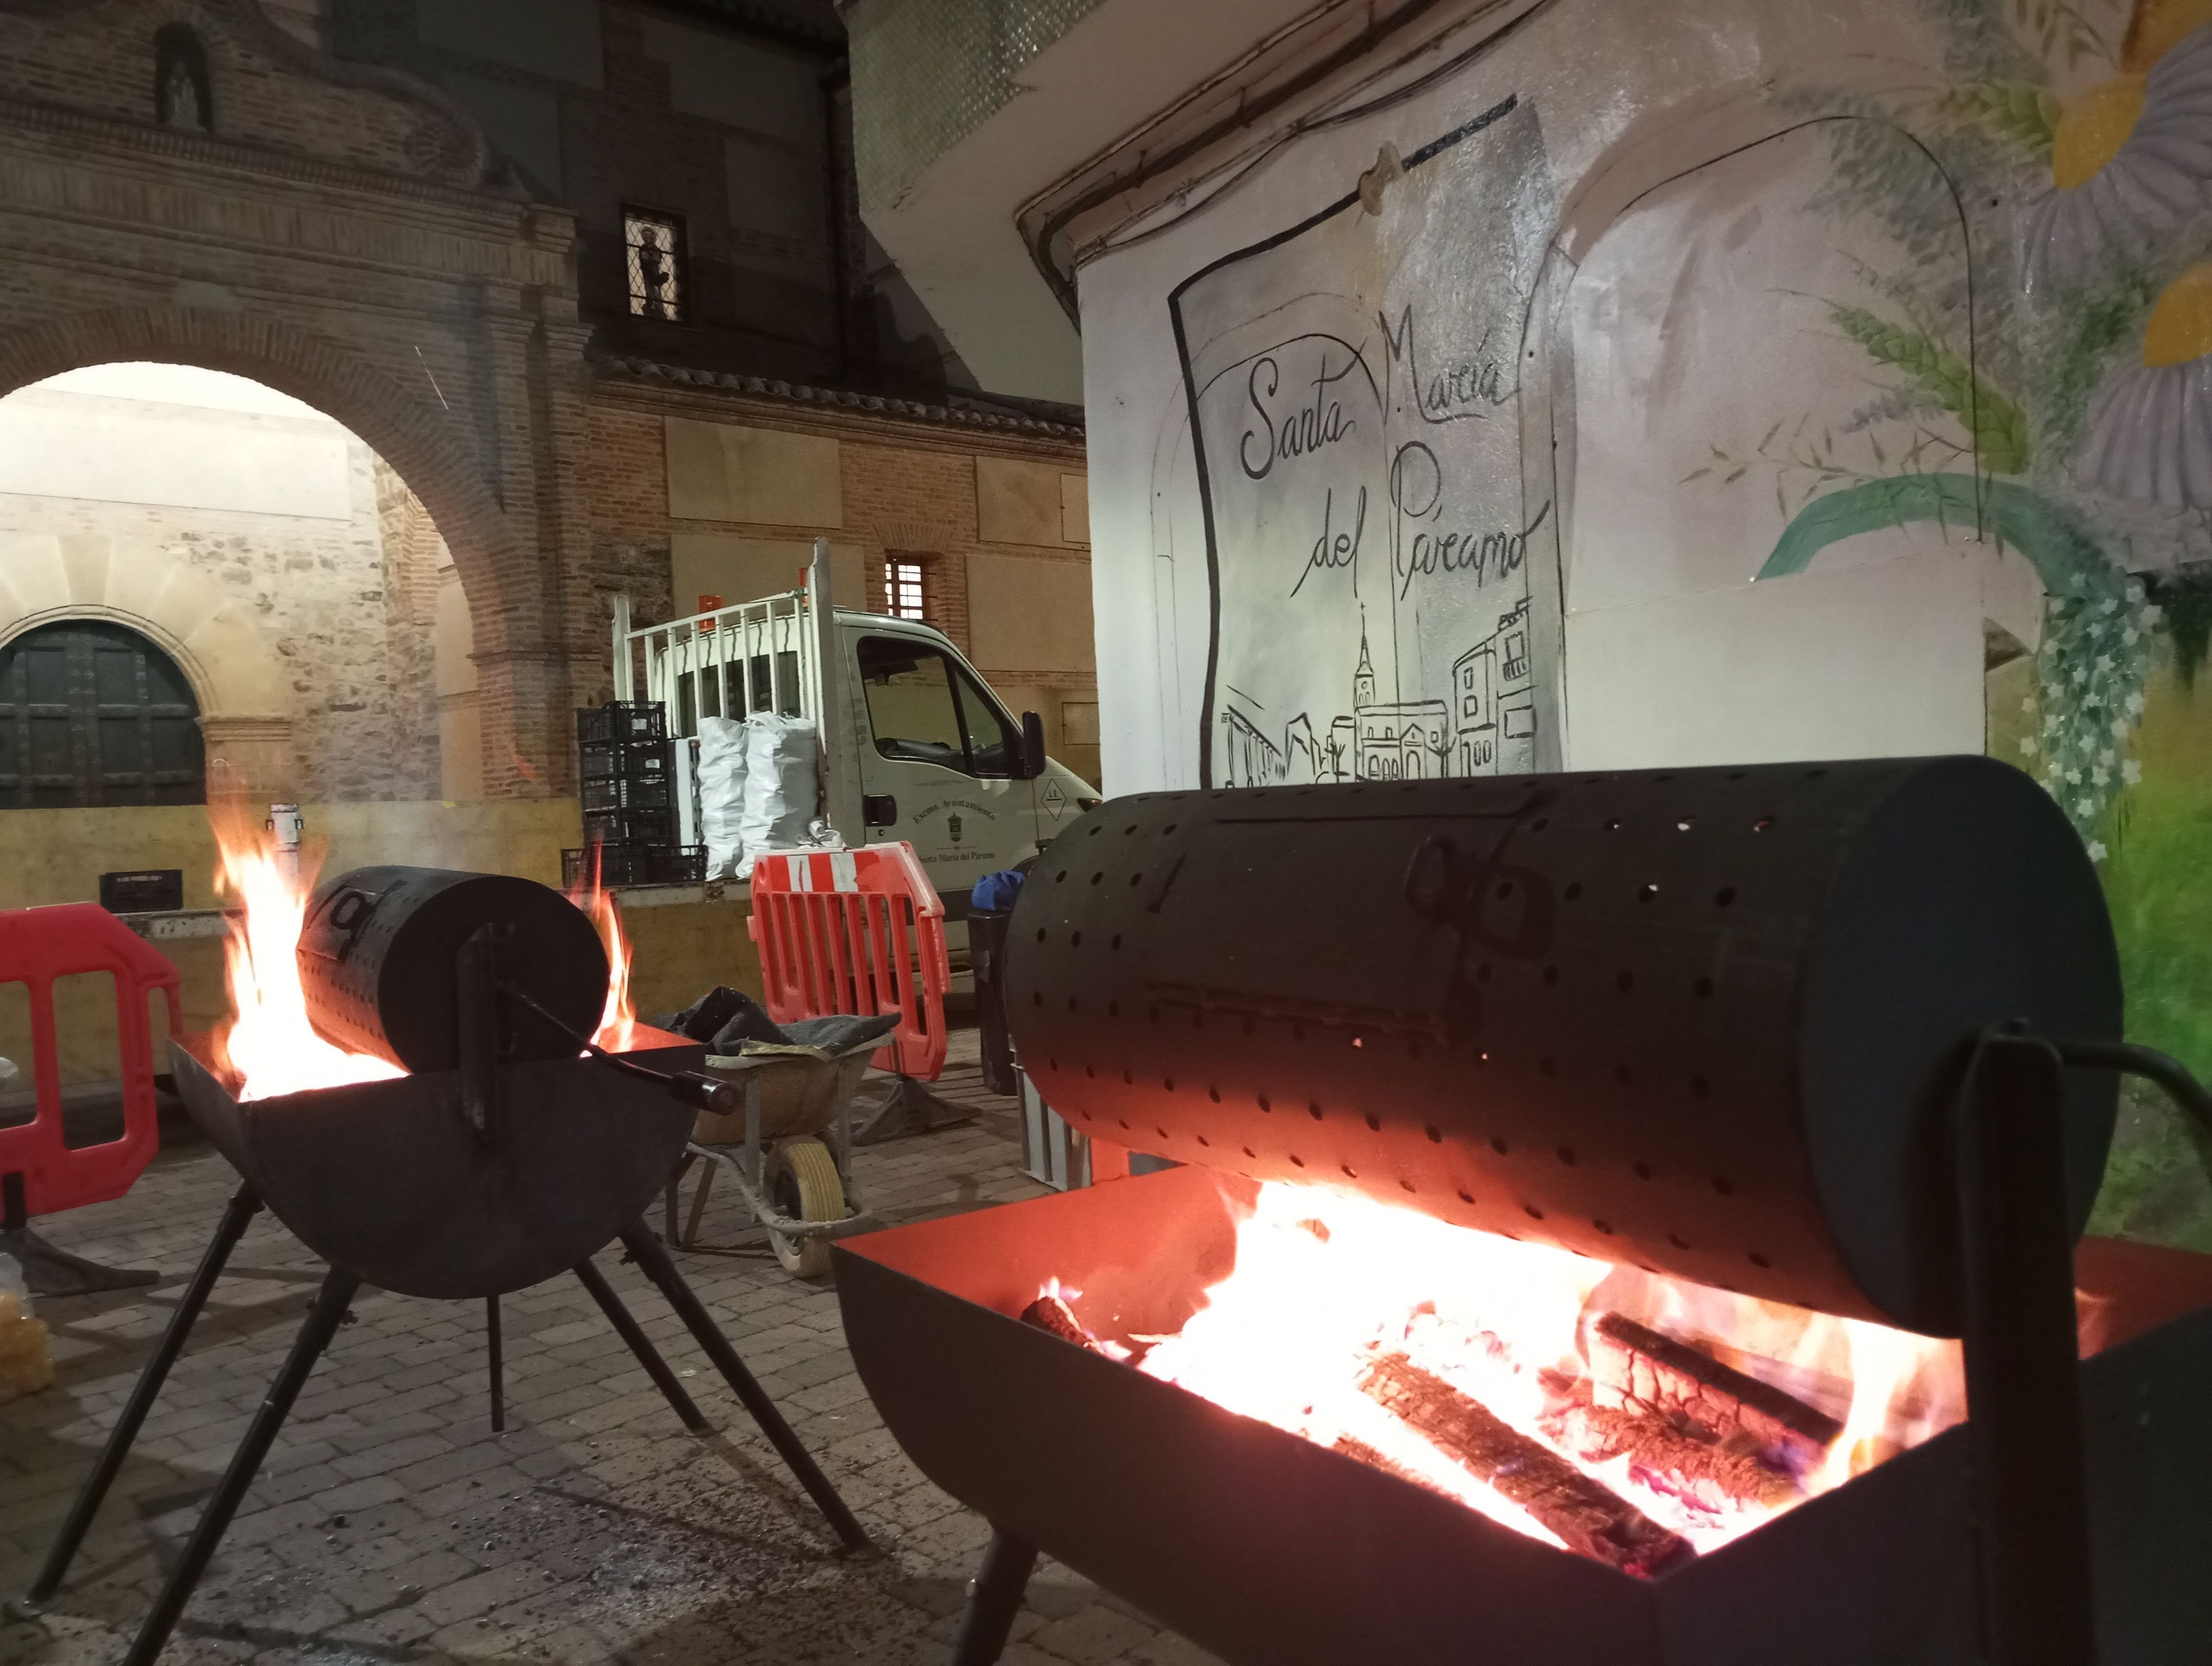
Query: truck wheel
804, 1184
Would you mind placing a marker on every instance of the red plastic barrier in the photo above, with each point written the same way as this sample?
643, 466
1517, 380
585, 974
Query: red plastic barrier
855, 931
38, 946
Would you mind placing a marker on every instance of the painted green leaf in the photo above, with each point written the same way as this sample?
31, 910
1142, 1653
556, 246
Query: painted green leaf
2065, 557
2019, 111
1997, 423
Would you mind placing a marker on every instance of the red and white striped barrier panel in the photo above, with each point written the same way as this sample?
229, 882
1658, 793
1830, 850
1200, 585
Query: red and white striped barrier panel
856, 931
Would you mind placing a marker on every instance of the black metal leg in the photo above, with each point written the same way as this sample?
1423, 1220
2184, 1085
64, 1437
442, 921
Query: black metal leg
994, 1598
242, 1207
321, 1324
639, 1240
641, 1345
491, 1347
2022, 1350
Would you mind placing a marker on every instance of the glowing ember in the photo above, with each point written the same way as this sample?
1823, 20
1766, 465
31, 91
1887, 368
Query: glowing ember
1329, 1285
618, 1021
269, 1046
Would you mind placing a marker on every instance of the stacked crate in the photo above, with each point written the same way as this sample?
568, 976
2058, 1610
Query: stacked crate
626, 777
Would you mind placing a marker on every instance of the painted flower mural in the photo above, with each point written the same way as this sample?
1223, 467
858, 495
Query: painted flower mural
2131, 158
2064, 410
2150, 433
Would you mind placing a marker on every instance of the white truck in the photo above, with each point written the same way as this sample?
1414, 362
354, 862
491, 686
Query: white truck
916, 746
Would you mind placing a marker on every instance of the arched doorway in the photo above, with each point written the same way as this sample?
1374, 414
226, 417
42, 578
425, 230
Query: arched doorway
96, 714
400, 409
298, 589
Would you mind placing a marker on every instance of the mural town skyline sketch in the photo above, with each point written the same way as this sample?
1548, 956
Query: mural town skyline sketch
1354, 407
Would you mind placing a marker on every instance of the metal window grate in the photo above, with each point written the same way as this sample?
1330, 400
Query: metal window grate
903, 588
654, 247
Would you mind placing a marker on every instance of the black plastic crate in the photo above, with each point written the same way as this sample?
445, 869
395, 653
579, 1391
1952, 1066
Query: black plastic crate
634, 864
630, 826
607, 760
623, 722
627, 793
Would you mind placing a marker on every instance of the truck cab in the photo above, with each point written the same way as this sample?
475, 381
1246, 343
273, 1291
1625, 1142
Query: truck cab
941, 761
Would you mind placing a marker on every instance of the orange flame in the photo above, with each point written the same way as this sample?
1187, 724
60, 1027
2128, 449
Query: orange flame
618, 1021
1324, 1280
269, 1046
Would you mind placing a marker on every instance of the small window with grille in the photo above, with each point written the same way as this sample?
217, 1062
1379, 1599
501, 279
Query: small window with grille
904, 589
654, 246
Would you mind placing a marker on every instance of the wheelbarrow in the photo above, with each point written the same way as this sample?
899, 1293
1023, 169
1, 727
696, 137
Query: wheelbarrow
789, 1151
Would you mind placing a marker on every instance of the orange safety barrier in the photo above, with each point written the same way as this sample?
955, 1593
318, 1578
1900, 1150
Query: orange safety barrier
39, 1172
859, 932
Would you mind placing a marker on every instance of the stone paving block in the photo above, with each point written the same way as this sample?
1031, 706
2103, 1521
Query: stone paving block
593, 1532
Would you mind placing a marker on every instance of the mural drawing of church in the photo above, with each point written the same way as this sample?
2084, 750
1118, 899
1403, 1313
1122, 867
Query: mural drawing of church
1491, 711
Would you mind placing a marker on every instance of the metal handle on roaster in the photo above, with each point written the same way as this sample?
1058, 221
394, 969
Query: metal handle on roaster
690, 1087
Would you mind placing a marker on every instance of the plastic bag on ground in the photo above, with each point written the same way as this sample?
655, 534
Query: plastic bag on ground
26, 1362
781, 785
722, 743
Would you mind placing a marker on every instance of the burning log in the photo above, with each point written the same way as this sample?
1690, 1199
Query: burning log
1357, 1449
1640, 1371
1714, 1476
1051, 1314
1587, 1516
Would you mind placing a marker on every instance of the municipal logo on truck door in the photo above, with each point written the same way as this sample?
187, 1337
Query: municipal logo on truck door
952, 827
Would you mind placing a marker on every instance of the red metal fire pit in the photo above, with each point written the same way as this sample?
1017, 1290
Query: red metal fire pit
1841, 1037
1270, 1551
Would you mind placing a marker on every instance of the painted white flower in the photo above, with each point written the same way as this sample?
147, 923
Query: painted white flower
2097, 852
2120, 727
2135, 590
2027, 702
2131, 159
2136, 704
2104, 662
2151, 430
2132, 637
2132, 773
2152, 616
2100, 776
2027, 746
2074, 778
2085, 807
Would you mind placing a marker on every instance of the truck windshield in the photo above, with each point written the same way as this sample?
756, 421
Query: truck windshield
924, 708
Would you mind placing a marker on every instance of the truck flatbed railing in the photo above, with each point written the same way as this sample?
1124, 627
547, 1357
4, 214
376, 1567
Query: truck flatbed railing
773, 653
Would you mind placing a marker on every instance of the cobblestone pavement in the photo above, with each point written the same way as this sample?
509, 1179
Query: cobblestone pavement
390, 1525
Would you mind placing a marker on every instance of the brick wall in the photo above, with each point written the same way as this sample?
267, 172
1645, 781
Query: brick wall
908, 487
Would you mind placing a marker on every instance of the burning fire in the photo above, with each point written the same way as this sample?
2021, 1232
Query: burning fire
1334, 1294
618, 1021
270, 1046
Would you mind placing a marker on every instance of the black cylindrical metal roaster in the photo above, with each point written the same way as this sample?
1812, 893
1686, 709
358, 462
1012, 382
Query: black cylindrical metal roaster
1706, 1021
379, 950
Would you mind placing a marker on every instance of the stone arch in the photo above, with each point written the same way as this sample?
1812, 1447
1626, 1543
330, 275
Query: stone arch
420, 441
235, 673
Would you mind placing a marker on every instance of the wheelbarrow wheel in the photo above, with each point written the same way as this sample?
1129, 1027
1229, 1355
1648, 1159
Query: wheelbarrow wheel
804, 1186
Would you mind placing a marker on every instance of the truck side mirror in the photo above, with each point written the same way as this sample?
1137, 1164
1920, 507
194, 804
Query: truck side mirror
1032, 745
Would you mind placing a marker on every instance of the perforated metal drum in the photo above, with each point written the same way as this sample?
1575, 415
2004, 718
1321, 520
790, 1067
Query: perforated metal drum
1704, 1021
377, 962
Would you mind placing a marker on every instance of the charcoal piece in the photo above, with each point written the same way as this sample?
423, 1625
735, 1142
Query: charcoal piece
1638, 1370
1588, 1517
1053, 1315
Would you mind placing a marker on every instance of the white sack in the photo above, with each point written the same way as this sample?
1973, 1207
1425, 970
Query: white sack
722, 793
781, 785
